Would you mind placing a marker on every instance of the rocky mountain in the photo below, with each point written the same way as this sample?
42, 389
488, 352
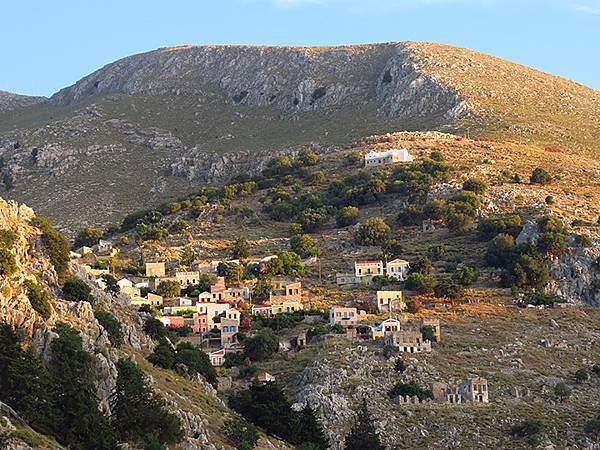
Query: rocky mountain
10, 101
178, 117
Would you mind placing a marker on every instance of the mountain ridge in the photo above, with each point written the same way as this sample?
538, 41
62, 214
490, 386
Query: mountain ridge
178, 117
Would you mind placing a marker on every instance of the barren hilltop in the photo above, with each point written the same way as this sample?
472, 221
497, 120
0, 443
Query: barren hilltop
179, 116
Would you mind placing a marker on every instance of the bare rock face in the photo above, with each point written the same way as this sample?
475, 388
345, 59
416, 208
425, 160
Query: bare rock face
576, 276
292, 79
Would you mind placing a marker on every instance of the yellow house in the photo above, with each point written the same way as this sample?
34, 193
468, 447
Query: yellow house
368, 269
397, 268
390, 300
155, 269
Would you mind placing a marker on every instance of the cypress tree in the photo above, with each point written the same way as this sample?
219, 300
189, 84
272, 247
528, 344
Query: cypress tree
310, 429
82, 425
362, 435
138, 412
25, 382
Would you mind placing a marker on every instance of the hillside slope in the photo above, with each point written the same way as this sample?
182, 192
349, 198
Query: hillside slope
10, 101
177, 117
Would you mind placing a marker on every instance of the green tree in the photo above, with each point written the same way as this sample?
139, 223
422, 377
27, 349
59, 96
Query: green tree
77, 290
240, 248
112, 327
501, 250
304, 245
310, 430
362, 434
155, 328
82, 424
313, 219
163, 355
267, 406
88, 237
261, 290
25, 383
111, 284
230, 270
291, 263
169, 288
528, 430
421, 265
465, 276
262, 345
244, 435
348, 215
137, 411
540, 176
411, 389
373, 231
196, 361
423, 284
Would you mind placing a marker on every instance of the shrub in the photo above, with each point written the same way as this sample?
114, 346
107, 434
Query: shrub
88, 237
466, 276
348, 215
414, 305
475, 185
307, 158
244, 435
240, 248
423, 284
549, 200
233, 359
500, 250
318, 177
411, 389
8, 239
400, 365
449, 289
112, 327
77, 290
528, 430
593, 427
540, 176
38, 298
163, 355
373, 231
581, 375
8, 263
562, 391
510, 224
56, 244
313, 219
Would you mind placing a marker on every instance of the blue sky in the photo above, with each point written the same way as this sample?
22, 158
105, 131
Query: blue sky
47, 45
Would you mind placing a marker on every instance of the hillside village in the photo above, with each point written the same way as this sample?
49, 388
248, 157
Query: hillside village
429, 301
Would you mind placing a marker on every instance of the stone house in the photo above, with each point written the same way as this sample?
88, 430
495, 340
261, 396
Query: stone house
409, 400
386, 157
433, 323
155, 269
340, 315
186, 279
397, 268
286, 307
265, 310
212, 310
344, 279
229, 329
474, 390
408, 341
389, 301
264, 377
283, 290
